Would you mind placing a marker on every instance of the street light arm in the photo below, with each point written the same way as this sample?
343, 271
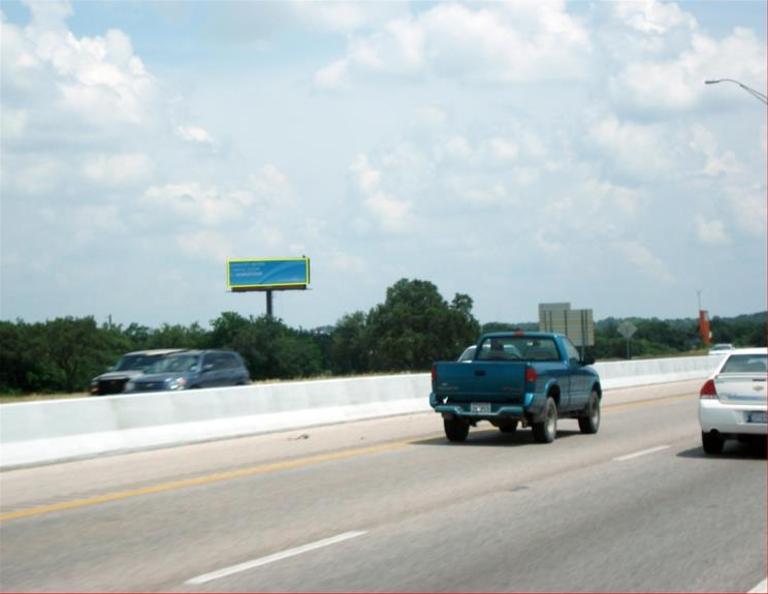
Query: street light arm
758, 95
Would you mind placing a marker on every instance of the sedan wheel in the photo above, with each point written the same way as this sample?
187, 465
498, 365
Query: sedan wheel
712, 442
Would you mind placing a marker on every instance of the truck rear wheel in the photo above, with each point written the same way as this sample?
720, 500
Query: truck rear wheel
510, 427
545, 431
456, 429
589, 421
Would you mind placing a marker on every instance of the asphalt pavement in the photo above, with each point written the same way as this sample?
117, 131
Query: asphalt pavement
390, 505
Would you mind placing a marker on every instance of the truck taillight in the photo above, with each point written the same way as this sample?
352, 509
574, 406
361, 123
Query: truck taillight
434, 372
708, 390
530, 375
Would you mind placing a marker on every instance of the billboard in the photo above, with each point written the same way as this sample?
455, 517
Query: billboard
266, 274
576, 324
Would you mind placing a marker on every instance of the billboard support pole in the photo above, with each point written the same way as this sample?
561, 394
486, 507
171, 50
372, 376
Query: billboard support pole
269, 304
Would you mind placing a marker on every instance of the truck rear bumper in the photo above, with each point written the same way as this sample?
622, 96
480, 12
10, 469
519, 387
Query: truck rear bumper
507, 412
465, 409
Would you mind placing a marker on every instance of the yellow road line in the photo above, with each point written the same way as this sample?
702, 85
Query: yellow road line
262, 469
638, 403
202, 480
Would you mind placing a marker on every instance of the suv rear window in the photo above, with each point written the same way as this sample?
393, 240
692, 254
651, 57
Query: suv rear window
137, 362
175, 363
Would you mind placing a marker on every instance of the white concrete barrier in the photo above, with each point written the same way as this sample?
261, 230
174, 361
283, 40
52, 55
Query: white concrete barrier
621, 374
57, 430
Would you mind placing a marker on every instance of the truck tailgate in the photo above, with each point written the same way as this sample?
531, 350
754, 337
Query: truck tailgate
487, 381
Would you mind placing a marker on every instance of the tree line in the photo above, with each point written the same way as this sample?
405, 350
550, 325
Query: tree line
413, 327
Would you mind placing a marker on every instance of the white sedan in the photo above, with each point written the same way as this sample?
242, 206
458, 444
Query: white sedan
721, 349
732, 402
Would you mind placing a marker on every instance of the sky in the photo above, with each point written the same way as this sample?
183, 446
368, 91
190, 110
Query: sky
518, 152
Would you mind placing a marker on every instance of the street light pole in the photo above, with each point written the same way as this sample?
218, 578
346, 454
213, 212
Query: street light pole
756, 94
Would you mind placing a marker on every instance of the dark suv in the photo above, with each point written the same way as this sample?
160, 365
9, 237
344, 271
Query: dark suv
129, 366
192, 369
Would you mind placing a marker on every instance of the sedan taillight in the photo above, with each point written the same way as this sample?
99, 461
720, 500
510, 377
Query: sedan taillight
708, 390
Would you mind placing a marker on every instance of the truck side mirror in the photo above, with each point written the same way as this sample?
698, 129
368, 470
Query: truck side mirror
588, 360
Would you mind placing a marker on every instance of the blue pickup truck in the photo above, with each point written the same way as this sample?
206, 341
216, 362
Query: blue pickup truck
527, 378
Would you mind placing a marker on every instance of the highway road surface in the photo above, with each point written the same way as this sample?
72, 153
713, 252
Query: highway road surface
390, 505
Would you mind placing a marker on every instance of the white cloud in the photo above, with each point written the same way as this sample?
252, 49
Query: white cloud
703, 141
14, 122
332, 76
345, 16
393, 215
367, 178
639, 149
271, 187
677, 83
748, 209
118, 170
204, 205
41, 176
98, 79
652, 17
504, 149
517, 41
49, 15
95, 222
494, 194
711, 231
347, 262
194, 134
643, 260
432, 116
209, 245
456, 148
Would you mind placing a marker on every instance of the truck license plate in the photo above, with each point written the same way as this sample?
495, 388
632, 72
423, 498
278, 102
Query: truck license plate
756, 417
480, 407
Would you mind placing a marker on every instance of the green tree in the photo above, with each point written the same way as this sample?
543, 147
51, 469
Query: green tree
416, 326
170, 336
349, 345
77, 348
22, 368
226, 328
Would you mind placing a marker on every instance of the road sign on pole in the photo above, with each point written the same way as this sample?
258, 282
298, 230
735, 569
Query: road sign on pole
627, 329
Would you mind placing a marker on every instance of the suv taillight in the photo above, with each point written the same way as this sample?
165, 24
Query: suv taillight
708, 390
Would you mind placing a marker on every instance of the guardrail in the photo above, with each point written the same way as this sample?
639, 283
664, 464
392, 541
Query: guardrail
58, 430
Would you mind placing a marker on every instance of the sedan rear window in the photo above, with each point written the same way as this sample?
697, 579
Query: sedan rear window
746, 364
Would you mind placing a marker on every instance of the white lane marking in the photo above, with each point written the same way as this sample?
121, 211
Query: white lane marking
642, 453
214, 575
761, 587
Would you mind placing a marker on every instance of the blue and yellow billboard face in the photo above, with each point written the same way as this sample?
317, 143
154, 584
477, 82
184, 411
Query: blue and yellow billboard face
264, 274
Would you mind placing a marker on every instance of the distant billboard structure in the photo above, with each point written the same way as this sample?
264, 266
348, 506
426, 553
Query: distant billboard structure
267, 275
576, 324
